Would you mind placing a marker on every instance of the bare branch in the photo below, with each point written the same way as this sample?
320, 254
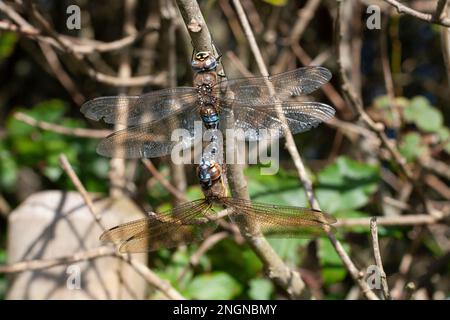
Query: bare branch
143, 270
166, 184
427, 17
377, 255
49, 263
76, 132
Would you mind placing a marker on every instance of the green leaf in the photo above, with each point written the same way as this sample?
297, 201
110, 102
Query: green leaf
260, 289
426, 117
216, 285
444, 134
412, 147
447, 147
288, 248
327, 253
7, 42
346, 185
282, 188
276, 3
8, 169
332, 274
333, 269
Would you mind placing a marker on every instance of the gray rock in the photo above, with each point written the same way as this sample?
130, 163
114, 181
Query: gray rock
53, 224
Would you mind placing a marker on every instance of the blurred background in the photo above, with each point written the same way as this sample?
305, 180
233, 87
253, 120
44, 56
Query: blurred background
400, 72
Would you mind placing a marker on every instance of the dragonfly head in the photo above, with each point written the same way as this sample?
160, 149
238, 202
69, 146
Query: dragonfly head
203, 61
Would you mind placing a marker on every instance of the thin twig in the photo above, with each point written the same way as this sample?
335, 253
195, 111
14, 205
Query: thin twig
404, 220
39, 264
166, 184
293, 151
75, 132
60, 73
435, 18
79, 45
52, 38
142, 269
377, 255
278, 271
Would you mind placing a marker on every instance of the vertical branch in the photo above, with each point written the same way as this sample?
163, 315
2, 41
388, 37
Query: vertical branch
445, 40
117, 172
290, 143
177, 170
278, 271
140, 268
377, 255
196, 25
292, 148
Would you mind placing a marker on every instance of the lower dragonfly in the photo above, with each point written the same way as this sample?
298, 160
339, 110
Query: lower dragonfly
192, 221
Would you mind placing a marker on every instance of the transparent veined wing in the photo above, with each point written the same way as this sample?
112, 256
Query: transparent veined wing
280, 221
262, 121
153, 139
133, 110
166, 230
254, 91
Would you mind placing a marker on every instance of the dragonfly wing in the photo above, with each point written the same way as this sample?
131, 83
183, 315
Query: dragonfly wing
255, 91
133, 110
262, 122
280, 221
154, 139
169, 229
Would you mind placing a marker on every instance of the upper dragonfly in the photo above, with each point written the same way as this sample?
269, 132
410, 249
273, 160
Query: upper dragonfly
192, 221
254, 103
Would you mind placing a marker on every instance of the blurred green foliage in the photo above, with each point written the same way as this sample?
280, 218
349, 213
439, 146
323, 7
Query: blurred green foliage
417, 113
7, 42
27, 146
343, 187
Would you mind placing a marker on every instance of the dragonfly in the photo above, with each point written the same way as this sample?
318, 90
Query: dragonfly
252, 103
193, 221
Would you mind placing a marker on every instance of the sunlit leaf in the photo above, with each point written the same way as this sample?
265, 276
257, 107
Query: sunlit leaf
423, 115
277, 3
260, 289
7, 43
216, 285
332, 269
346, 184
412, 146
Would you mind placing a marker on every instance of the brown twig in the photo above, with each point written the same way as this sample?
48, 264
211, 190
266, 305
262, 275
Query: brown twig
79, 45
278, 271
404, 220
293, 151
169, 12
435, 18
49, 263
76, 132
50, 36
166, 184
143, 270
377, 255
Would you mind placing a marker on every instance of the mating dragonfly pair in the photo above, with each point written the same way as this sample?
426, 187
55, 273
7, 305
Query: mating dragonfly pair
254, 104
